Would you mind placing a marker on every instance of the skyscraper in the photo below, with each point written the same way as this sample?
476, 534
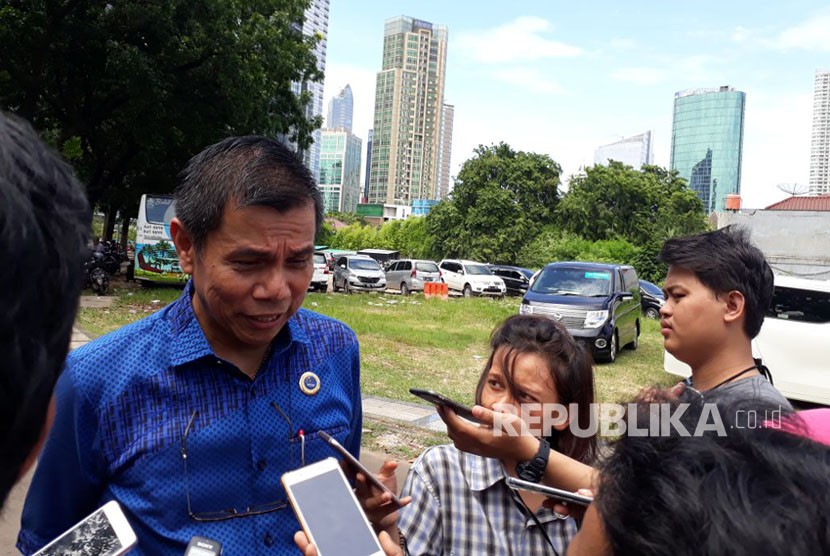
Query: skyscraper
820, 149
707, 142
315, 21
339, 169
341, 108
409, 109
632, 151
445, 151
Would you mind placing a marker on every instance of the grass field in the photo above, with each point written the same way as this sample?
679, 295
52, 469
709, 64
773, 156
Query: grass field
416, 342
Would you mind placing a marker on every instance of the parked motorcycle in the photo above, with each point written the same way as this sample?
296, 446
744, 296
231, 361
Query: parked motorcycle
95, 274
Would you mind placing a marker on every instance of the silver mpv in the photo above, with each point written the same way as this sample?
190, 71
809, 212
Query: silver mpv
409, 275
358, 273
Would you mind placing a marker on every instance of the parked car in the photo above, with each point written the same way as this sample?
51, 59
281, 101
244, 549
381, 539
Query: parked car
471, 278
320, 279
409, 275
598, 303
358, 273
651, 299
793, 340
516, 279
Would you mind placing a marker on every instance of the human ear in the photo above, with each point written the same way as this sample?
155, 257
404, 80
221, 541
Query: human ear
184, 245
734, 304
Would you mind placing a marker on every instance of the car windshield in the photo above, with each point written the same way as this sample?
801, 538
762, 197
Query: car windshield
573, 281
651, 288
319, 258
527, 273
477, 269
364, 264
426, 267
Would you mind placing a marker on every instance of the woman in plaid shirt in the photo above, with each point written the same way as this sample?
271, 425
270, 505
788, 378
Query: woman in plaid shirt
460, 502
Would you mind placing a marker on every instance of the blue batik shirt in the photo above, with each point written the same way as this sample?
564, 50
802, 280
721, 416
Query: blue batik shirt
124, 401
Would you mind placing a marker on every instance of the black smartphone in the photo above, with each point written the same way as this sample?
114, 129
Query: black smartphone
202, 546
439, 399
358, 467
550, 492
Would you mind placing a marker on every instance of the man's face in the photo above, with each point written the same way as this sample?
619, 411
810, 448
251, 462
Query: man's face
252, 274
692, 320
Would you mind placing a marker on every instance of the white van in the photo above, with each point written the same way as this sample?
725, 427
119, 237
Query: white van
794, 341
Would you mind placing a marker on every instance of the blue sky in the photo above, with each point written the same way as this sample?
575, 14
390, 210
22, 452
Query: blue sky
563, 78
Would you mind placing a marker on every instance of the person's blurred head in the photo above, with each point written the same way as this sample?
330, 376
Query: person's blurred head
247, 212
535, 360
759, 490
45, 221
718, 285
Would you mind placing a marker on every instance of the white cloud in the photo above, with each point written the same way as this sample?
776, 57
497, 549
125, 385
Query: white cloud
741, 34
812, 34
529, 79
623, 44
519, 40
640, 76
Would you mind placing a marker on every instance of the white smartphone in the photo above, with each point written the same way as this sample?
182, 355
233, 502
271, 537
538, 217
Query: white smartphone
550, 492
105, 532
329, 512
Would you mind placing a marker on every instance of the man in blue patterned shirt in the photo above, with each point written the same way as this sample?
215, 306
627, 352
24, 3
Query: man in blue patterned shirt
189, 417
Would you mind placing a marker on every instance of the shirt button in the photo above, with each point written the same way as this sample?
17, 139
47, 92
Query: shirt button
269, 540
261, 465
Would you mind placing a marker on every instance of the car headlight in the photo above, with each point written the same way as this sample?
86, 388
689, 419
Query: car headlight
525, 309
595, 319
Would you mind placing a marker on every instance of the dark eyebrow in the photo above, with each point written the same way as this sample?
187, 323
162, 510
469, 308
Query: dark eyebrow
247, 252
302, 252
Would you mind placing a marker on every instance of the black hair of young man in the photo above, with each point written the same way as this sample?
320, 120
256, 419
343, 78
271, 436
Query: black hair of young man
44, 226
755, 490
723, 261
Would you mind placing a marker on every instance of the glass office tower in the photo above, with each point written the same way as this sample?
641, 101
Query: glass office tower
707, 142
339, 169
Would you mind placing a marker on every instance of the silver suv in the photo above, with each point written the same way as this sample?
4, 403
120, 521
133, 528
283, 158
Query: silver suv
358, 273
409, 275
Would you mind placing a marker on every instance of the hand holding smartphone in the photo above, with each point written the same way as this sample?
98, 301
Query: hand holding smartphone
105, 532
358, 467
329, 511
550, 492
439, 399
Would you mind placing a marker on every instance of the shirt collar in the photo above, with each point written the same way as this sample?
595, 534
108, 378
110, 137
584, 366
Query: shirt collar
482, 473
189, 340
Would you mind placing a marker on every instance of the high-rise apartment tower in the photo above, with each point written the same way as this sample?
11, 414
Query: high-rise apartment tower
820, 146
707, 142
315, 21
409, 109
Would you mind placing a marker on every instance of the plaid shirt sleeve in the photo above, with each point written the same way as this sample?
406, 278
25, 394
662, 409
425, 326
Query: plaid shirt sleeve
420, 521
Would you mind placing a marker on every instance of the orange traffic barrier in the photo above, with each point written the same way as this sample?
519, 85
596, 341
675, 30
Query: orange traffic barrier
436, 289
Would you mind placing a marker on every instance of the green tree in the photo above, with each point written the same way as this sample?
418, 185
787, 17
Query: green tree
640, 206
501, 199
129, 90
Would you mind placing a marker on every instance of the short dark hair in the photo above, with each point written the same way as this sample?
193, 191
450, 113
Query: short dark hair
753, 491
45, 222
248, 171
571, 371
723, 261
